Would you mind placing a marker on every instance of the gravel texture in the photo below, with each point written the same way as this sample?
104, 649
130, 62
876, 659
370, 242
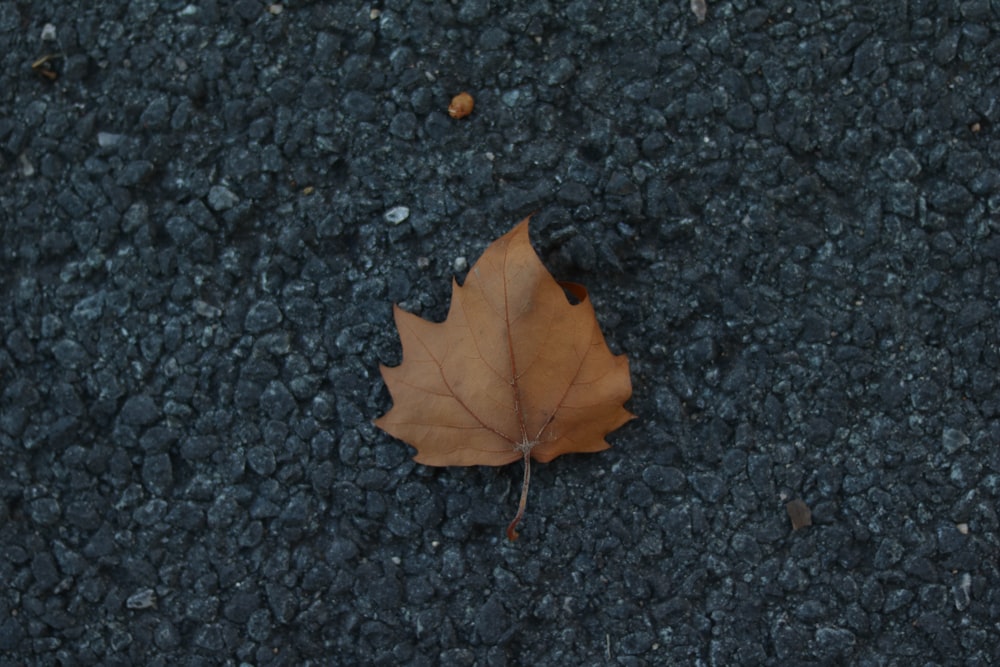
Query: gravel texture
787, 217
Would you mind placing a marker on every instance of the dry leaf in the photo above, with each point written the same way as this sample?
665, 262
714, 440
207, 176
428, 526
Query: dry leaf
515, 372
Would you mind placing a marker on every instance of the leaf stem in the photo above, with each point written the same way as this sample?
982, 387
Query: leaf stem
511, 529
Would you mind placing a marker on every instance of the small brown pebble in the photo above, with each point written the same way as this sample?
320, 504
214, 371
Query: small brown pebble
461, 105
799, 513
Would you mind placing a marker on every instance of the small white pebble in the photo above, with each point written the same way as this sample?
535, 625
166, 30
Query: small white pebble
963, 528
144, 599
397, 214
460, 264
48, 33
275, 8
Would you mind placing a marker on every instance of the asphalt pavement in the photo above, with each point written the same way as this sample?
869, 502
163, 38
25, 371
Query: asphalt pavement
786, 215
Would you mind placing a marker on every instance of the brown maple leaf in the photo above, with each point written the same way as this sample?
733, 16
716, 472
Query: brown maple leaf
516, 371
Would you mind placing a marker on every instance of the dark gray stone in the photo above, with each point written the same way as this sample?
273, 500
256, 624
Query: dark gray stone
69, 353
157, 473
708, 485
261, 460
664, 479
134, 173
44, 511
140, 410
199, 447
276, 401
156, 114
359, 105
636, 643
901, 164
559, 72
10, 17
492, 621
262, 316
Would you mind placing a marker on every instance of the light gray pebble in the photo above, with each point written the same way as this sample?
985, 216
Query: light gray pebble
953, 440
221, 198
142, 599
262, 316
397, 214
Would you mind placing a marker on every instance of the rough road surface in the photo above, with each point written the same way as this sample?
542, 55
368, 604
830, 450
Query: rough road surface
786, 215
